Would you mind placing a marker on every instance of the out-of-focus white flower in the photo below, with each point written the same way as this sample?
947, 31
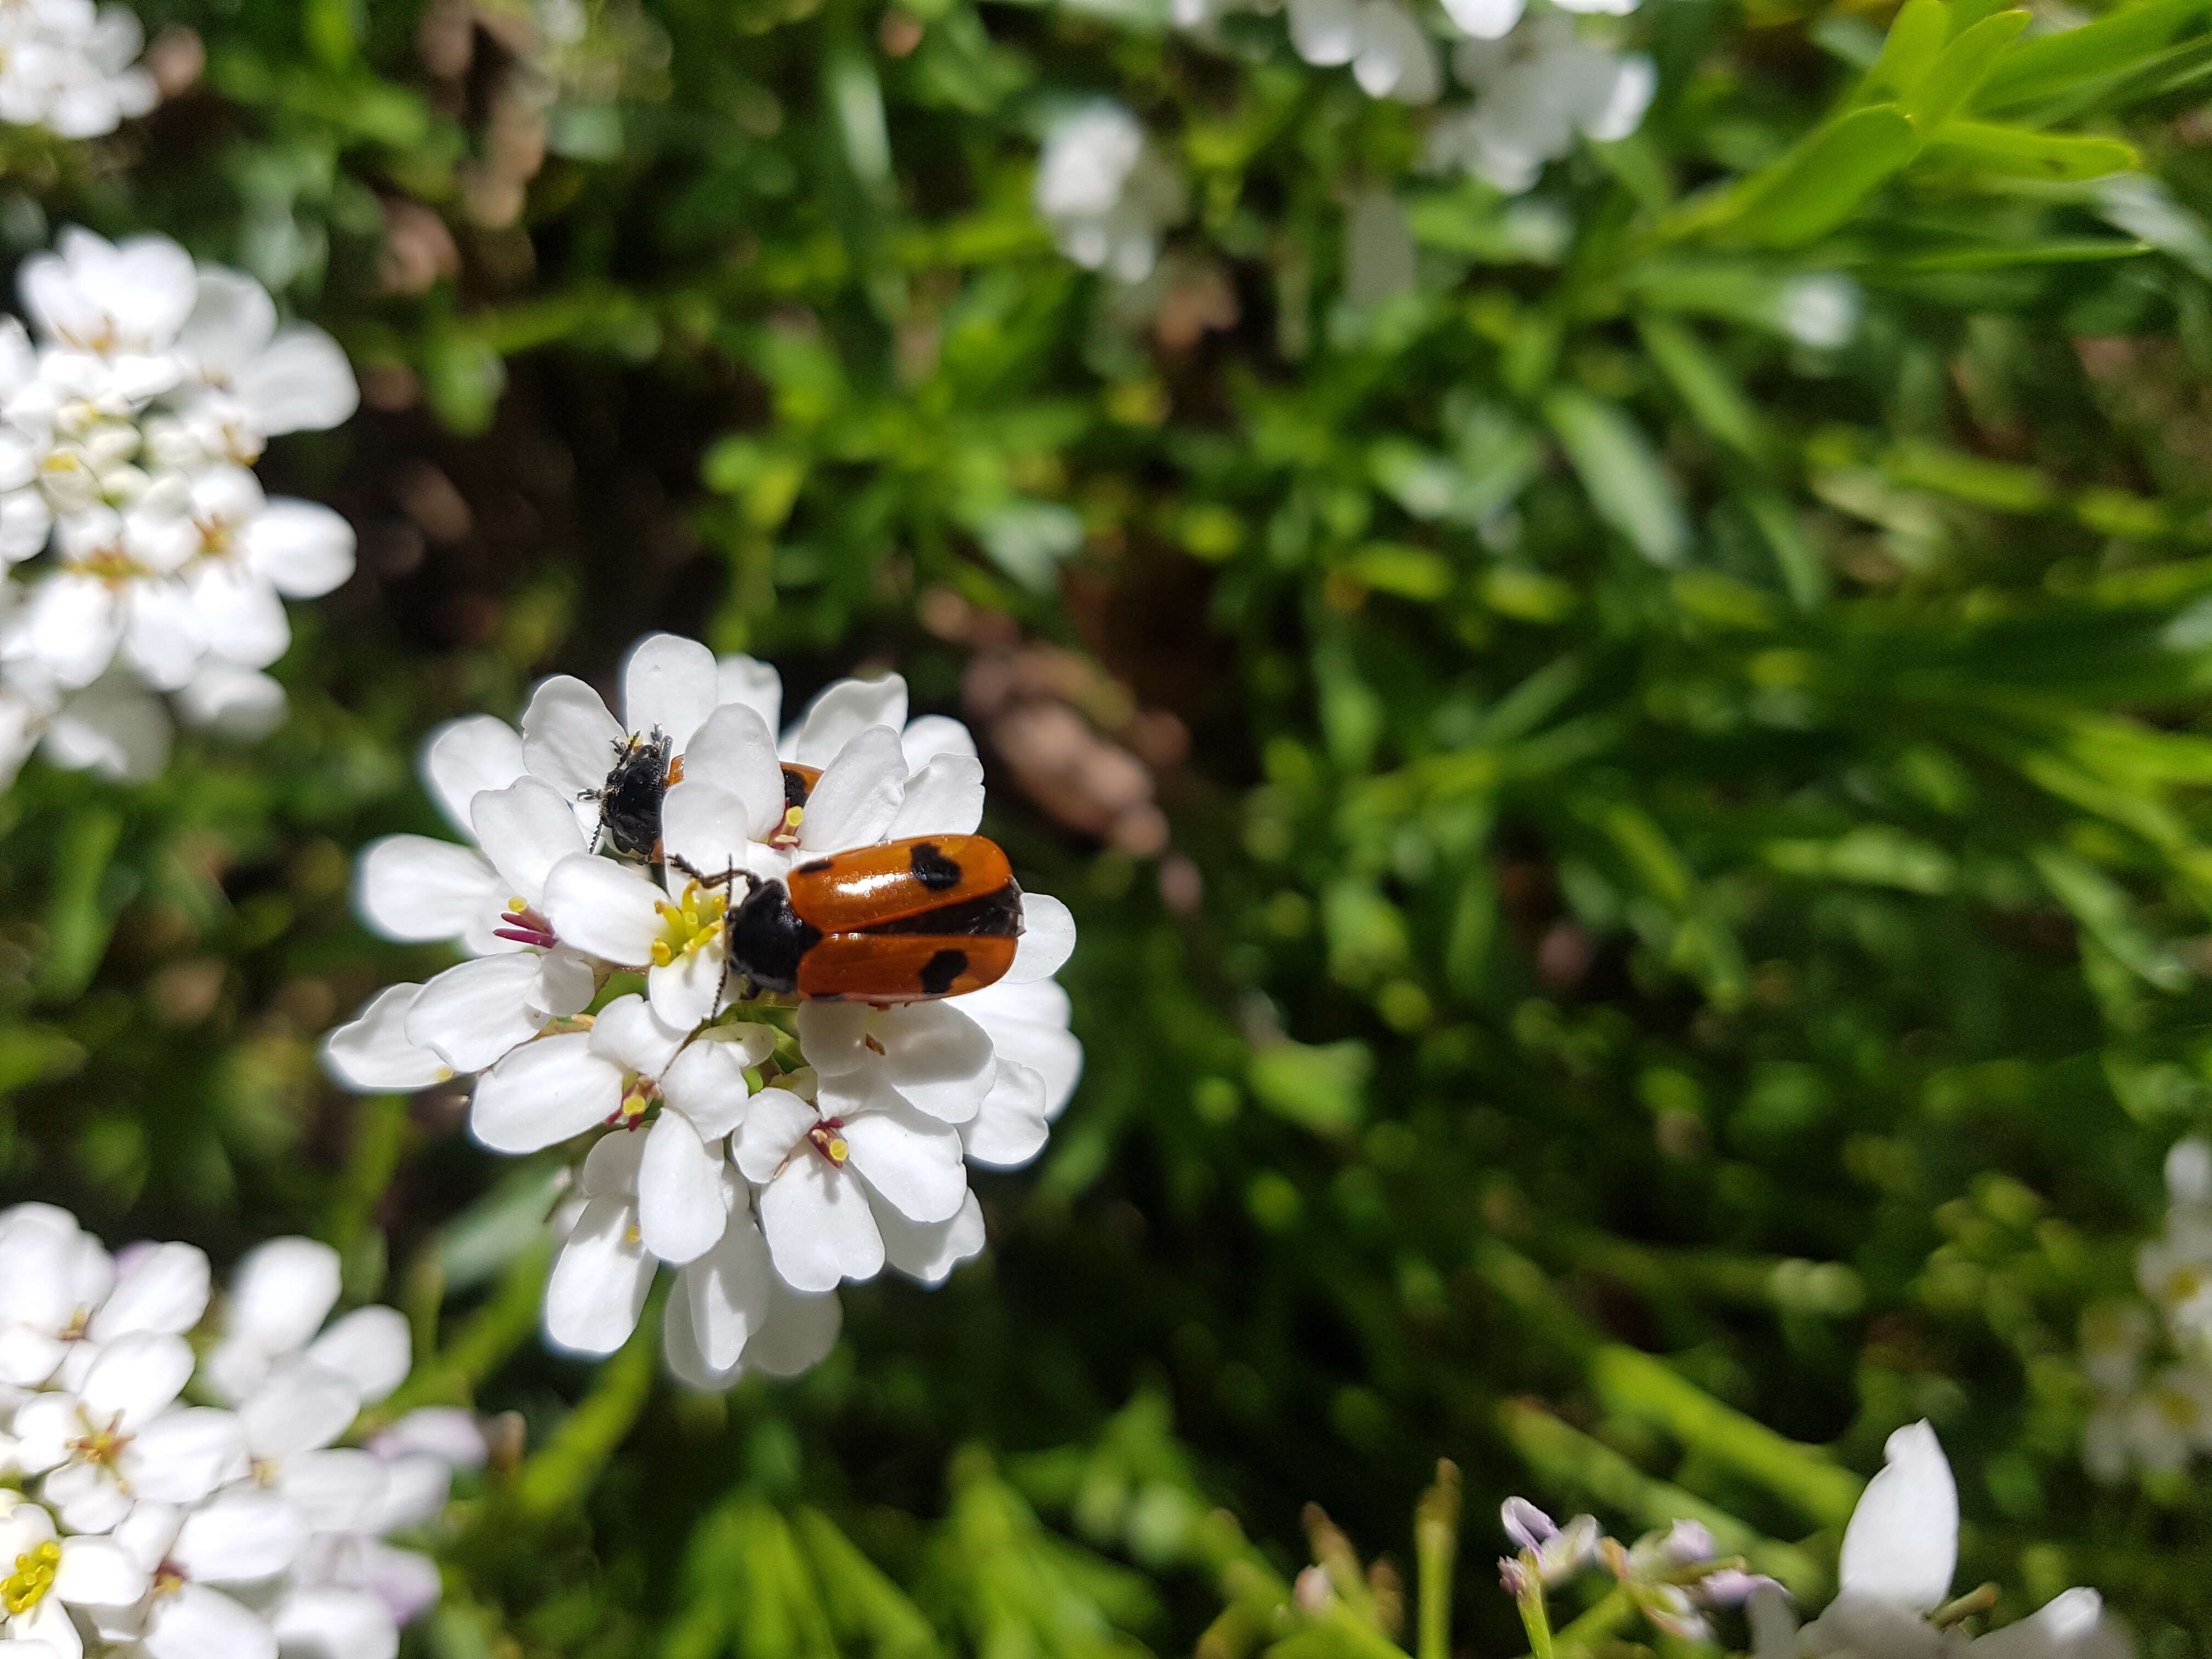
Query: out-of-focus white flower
71, 68
279, 1298
1821, 309
1106, 195
122, 434
1535, 88
1390, 52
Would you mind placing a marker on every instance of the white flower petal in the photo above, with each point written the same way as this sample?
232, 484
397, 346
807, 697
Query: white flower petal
930, 1251
370, 1347
137, 1376
302, 383
857, 795
929, 736
605, 908
98, 1572
799, 1333
182, 1455
1048, 938
706, 829
524, 829
238, 1537
774, 1123
163, 1290
840, 711
681, 1204
332, 1621
413, 889
735, 750
669, 684
473, 1013
302, 1408
340, 1490
371, 1053
688, 989
282, 1291
194, 1622
752, 683
911, 1160
599, 1286
114, 727
725, 1294
628, 1033
544, 1092
817, 1224
464, 757
302, 549
707, 1083
568, 738
1011, 1128
945, 797
1902, 1544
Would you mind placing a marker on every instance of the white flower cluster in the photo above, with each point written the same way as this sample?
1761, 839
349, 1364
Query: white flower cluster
130, 414
1900, 1552
767, 1148
72, 68
149, 1526
1106, 193
2150, 1366
1537, 83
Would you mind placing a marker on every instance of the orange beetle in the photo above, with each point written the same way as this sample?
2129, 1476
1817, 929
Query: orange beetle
905, 921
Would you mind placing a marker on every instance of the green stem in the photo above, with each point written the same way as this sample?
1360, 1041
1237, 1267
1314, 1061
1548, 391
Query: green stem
558, 1475
1436, 1546
1601, 1621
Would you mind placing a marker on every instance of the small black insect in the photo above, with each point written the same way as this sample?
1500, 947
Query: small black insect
630, 800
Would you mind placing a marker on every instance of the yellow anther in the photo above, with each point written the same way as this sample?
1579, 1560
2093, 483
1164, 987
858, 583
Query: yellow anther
662, 956
794, 816
837, 1148
25, 1588
632, 1235
518, 904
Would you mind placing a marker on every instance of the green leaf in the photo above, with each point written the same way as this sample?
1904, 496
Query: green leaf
1626, 485
2059, 63
1963, 66
1715, 400
1818, 184
1322, 1088
2023, 153
1915, 40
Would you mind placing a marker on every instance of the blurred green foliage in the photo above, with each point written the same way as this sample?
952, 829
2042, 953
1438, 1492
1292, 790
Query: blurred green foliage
1703, 932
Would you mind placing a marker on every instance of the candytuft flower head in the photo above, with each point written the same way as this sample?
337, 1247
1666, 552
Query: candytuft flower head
126, 428
199, 1532
767, 1123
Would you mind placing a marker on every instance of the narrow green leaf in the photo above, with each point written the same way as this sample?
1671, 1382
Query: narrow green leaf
1804, 572
1964, 64
2022, 152
1815, 188
78, 923
1713, 397
1915, 41
2059, 63
1627, 485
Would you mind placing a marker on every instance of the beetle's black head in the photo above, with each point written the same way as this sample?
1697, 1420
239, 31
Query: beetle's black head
767, 937
630, 800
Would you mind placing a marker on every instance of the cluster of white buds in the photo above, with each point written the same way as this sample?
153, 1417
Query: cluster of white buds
72, 68
2150, 1363
765, 1116
205, 1508
1894, 1579
143, 556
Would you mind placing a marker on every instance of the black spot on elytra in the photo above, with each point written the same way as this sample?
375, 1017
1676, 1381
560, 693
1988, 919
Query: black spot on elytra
931, 868
815, 868
941, 970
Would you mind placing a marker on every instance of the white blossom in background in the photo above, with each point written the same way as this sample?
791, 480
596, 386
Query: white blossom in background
1900, 1552
1537, 83
72, 68
765, 1152
147, 563
1106, 194
203, 1532
1390, 51
2150, 1363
